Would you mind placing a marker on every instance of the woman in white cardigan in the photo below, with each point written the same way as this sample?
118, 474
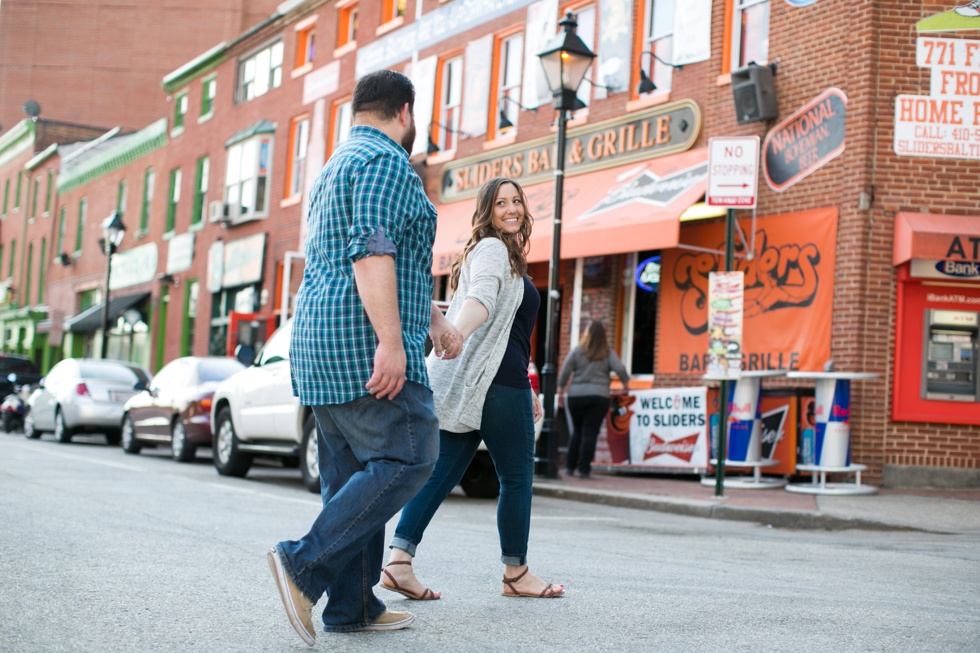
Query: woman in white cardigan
484, 393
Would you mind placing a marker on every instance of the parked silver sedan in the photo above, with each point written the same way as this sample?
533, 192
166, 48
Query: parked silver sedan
83, 395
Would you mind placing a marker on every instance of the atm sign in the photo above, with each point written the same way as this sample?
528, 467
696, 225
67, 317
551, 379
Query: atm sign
945, 269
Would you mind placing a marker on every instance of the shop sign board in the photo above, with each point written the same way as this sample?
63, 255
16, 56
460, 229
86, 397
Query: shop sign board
216, 266
803, 143
180, 253
726, 292
668, 427
947, 269
321, 82
641, 136
946, 123
733, 171
133, 267
243, 260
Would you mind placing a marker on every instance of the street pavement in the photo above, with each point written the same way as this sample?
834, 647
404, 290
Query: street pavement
940, 510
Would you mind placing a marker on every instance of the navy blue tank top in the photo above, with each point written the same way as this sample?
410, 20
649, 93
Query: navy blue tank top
513, 368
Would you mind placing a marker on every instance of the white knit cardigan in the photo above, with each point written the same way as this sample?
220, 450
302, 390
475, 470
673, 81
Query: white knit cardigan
460, 385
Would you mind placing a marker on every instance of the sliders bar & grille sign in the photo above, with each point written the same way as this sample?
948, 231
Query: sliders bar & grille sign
665, 129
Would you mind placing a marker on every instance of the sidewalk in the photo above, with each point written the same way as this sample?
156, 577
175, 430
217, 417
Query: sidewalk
936, 510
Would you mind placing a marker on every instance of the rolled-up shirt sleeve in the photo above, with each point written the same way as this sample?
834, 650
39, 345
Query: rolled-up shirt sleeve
378, 210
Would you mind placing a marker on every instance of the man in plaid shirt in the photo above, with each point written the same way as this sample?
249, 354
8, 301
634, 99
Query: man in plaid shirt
357, 358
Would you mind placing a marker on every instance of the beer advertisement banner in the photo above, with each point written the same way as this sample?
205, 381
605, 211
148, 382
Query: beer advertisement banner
788, 295
666, 428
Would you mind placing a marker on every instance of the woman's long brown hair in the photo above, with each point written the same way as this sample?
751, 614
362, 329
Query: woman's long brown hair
594, 342
483, 227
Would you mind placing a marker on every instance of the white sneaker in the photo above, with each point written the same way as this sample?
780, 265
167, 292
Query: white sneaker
971, 10
391, 620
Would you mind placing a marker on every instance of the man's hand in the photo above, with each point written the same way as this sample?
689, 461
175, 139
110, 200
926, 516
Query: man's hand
389, 372
538, 412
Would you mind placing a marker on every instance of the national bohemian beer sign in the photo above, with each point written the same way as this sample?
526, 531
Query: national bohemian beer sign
806, 141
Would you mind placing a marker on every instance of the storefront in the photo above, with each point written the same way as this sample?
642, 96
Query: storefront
234, 279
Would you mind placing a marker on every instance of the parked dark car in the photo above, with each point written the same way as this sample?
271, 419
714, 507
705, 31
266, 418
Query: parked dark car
22, 366
175, 409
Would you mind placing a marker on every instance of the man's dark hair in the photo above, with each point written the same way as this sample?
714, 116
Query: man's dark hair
383, 93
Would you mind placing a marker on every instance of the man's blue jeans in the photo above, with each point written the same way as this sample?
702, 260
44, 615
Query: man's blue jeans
507, 427
374, 456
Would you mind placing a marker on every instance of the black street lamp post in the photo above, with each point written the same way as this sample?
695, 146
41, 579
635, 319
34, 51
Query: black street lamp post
565, 60
113, 231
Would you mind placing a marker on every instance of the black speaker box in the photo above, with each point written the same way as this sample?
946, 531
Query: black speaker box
754, 93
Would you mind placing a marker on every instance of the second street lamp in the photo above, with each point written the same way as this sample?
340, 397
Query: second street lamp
113, 231
566, 60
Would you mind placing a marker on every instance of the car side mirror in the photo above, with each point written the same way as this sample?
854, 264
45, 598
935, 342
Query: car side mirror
245, 354
12, 377
40, 382
139, 386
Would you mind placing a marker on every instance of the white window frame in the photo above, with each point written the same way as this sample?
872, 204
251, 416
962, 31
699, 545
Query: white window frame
248, 171
260, 72
588, 37
209, 90
450, 103
738, 8
510, 70
342, 123
658, 37
299, 148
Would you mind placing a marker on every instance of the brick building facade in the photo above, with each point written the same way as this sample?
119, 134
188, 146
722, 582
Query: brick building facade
252, 120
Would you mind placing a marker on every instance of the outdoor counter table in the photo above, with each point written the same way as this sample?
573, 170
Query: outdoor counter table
745, 431
832, 450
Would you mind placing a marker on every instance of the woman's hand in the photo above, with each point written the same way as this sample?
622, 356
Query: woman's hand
538, 413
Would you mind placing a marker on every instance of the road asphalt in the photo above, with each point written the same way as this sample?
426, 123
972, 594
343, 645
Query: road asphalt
937, 510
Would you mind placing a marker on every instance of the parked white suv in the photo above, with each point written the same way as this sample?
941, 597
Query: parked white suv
254, 413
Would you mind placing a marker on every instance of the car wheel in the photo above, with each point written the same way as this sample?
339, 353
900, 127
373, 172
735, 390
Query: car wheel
7, 422
180, 449
61, 431
30, 432
309, 456
228, 460
129, 442
480, 478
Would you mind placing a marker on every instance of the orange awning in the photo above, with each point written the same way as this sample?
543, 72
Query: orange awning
628, 208
936, 237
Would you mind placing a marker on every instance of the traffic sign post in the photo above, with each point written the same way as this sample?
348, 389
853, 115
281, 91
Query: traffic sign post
733, 171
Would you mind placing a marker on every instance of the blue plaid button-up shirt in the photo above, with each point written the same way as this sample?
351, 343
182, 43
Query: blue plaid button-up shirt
367, 201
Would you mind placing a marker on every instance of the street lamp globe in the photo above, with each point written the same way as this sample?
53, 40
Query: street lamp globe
565, 60
113, 230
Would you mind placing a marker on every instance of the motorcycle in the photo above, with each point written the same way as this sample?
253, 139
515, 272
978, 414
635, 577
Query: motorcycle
14, 406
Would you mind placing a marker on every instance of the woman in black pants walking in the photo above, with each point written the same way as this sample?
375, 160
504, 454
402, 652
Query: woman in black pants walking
589, 366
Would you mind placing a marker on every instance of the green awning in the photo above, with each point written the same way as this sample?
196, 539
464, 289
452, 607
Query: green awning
261, 127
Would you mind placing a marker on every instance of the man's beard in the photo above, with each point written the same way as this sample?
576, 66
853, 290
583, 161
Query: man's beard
408, 140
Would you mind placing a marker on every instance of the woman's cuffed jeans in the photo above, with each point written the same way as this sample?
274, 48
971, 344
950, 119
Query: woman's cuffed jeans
507, 427
375, 455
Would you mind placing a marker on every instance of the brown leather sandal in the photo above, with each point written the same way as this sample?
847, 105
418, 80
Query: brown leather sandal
427, 595
550, 592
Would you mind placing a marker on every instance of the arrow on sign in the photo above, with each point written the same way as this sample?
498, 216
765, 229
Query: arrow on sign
732, 185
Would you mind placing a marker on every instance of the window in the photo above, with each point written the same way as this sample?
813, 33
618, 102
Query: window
449, 103
209, 88
35, 191
201, 181
82, 213
180, 111
13, 255
658, 39
149, 181
749, 33
27, 279
1, 253
341, 123
347, 25
391, 10
585, 17
47, 197
305, 46
247, 177
509, 61
20, 179
190, 317
6, 196
121, 198
42, 266
299, 136
173, 197
60, 236
260, 72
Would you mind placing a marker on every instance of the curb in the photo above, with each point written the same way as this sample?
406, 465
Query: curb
790, 519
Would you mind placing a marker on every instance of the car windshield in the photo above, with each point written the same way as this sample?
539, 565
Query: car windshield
109, 372
277, 349
218, 369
